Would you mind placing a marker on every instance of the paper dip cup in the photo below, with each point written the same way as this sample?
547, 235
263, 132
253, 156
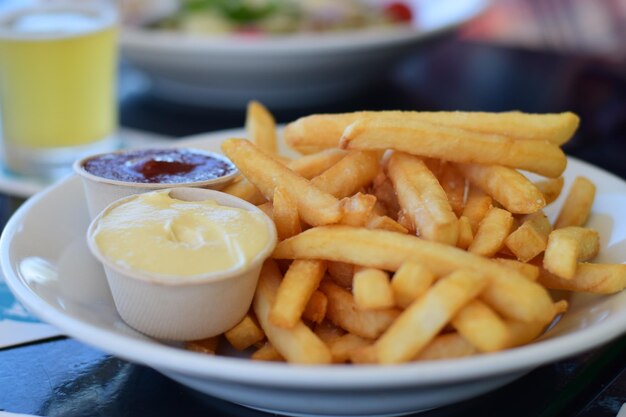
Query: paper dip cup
185, 307
100, 191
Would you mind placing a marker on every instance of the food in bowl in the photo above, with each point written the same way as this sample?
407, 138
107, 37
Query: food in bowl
182, 263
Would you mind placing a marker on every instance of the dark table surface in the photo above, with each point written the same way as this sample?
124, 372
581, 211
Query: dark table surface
63, 377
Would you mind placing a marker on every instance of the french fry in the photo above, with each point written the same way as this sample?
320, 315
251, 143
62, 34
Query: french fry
327, 331
357, 209
385, 223
372, 289
521, 333
385, 194
476, 207
208, 346
314, 206
315, 309
453, 183
342, 347
341, 273
410, 282
298, 344
267, 352
348, 175
245, 190
530, 271
466, 236
343, 312
423, 199
507, 186
550, 188
285, 214
509, 292
492, 232
245, 334
310, 166
321, 131
577, 205
261, 127
446, 346
593, 278
422, 320
295, 290
454, 144
567, 246
482, 327
531, 238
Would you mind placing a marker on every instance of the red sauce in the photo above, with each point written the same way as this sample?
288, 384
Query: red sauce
167, 166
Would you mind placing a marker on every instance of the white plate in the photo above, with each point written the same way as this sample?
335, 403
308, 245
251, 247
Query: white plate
282, 71
48, 266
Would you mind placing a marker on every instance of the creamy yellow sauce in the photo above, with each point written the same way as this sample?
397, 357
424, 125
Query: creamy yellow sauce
156, 233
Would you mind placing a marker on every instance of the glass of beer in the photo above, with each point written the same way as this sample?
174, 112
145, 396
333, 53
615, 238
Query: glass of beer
58, 66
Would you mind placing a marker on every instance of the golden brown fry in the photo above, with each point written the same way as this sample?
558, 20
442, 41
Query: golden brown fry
349, 175
295, 290
567, 246
314, 206
315, 309
245, 334
521, 333
446, 346
244, 189
453, 183
422, 199
327, 331
208, 346
530, 271
454, 144
342, 347
341, 273
422, 320
385, 223
492, 232
482, 327
577, 205
357, 209
476, 207
285, 214
261, 127
343, 312
310, 166
466, 236
297, 344
267, 352
509, 292
507, 186
372, 289
531, 238
386, 195
409, 282
550, 188
594, 278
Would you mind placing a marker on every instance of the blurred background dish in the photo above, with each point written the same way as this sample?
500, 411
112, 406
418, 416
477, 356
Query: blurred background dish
284, 54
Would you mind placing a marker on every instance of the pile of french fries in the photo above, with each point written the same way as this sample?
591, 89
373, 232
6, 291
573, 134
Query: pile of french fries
407, 236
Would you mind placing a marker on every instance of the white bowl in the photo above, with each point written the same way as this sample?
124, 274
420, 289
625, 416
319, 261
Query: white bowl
282, 71
73, 295
182, 307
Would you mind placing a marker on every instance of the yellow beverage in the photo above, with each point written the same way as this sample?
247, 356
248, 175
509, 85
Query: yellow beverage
57, 79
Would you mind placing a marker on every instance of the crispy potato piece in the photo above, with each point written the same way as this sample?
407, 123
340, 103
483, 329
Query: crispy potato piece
267, 352
342, 347
521, 333
327, 331
245, 190
349, 175
319, 131
423, 199
422, 320
530, 271
343, 312
261, 127
507, 186
245, 334
410, 282
341, 273
577, 205
567, 246
285, 214
466, 236
372, 290
447, 346
208, 346
310, 166
482, 327
509, 292
386, 195
531, 238
550, 188
315, 207
297, 344
492, 232
385, 223
295, 290
594, 278
476, 207
453, 183
357, 209
454, 144
363, 355
315, 309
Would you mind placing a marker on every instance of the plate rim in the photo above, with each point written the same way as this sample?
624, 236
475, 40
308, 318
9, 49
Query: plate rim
292, 376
